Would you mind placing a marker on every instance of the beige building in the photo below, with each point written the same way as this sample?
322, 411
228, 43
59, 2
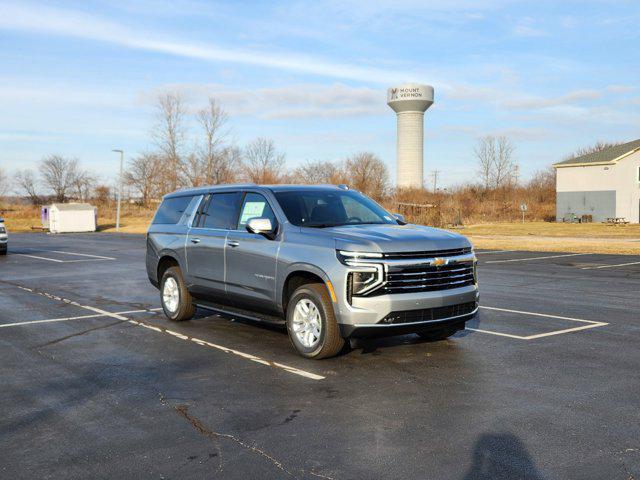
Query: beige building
603, 184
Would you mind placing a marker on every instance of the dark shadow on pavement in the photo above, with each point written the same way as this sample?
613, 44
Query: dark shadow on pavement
501, 455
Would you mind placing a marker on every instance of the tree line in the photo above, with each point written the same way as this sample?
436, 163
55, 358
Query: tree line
191, 149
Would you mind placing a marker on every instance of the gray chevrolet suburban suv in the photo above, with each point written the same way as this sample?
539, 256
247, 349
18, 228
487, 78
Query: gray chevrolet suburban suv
327, 261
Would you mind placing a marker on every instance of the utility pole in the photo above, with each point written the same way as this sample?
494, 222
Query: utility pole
434, 175
121, 152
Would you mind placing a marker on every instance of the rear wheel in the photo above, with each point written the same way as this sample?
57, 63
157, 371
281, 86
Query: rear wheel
311, 323
174, 296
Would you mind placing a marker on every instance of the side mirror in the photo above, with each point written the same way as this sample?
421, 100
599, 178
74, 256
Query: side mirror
399, 218
260, 226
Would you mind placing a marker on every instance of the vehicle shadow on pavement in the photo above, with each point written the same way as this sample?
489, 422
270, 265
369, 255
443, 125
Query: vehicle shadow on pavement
501, 455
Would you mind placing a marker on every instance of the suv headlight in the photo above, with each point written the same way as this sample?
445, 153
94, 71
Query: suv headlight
365, 275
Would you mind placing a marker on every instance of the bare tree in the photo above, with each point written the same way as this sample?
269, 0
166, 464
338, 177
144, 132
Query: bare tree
368, 174
542, 185
485, 153
144, 174
320, 172
102, 194
169, 135
214, 159
596, 147
496, 167
4, 183
82, 184
59, 175
262, 163
27, 185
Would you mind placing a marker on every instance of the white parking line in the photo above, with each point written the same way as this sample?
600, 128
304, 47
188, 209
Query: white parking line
104, 313
611, 266
591, 324
91, 258
65, 319
536, 258
40, 258
535, 314
81, 254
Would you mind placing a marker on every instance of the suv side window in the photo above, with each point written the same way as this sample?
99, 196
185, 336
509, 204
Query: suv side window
171, 210
255, 206
221, 212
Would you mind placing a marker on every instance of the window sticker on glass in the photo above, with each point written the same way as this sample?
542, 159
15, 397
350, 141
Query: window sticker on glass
251, 210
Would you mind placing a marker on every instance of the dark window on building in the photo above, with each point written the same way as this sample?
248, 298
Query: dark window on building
171, 210
222, 211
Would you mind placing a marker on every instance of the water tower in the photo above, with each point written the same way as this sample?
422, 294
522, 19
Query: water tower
410, 101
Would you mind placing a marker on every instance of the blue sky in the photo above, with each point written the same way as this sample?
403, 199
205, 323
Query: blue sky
80, 78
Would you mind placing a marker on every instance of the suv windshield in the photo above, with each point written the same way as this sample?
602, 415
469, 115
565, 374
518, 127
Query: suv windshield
330, 208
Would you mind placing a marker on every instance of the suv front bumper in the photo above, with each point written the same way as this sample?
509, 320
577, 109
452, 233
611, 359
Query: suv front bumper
377, 316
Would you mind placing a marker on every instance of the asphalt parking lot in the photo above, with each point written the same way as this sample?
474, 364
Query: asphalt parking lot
97, 383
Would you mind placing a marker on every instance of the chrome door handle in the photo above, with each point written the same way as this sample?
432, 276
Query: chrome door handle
195, 240
233, 244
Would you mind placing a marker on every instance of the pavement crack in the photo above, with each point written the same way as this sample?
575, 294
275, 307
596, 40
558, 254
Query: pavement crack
77, 334
183, 410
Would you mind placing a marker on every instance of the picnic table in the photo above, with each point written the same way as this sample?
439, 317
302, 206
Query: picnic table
617, 221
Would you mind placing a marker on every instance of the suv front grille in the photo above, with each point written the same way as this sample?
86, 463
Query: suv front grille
426, 278
426, 314
452, 252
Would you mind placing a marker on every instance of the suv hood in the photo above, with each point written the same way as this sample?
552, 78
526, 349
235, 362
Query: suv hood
394, 238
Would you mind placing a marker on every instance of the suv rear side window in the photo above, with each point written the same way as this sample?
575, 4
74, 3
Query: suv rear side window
222, 211
255, 206
171, 210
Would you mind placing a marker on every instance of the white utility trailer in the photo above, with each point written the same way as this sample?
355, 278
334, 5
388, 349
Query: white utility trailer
69, 217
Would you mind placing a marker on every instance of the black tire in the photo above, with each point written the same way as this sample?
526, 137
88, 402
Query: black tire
3, 252
330, 342
438, 335
185, 309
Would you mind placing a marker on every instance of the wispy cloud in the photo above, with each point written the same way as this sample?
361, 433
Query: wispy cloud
526, 27
27, 17
567, 99
305, 100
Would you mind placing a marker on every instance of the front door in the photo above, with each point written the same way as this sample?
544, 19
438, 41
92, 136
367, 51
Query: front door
205, 247
252, 259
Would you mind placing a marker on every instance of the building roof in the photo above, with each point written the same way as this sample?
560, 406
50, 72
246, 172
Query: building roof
608, 155
72, 206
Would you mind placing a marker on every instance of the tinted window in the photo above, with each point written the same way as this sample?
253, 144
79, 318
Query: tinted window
222, 211
326, 208
171, 210
255, 206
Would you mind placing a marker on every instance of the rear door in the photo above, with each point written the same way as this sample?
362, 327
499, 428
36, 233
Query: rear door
251, 258
205, 246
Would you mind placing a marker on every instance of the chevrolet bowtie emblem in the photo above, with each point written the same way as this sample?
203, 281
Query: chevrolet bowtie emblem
438, 262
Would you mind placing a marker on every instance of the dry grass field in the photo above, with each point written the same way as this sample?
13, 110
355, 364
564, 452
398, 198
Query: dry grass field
535, 236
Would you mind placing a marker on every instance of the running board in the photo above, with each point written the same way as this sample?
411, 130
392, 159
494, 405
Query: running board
228, 311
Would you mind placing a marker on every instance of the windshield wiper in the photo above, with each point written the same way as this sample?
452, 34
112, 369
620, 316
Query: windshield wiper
322, 225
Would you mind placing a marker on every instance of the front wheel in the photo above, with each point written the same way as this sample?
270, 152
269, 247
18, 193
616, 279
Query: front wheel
174, 296
311, 323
